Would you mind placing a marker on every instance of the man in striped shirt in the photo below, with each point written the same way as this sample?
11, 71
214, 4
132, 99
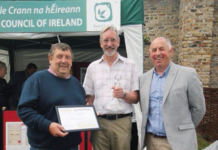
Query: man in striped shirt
112, 103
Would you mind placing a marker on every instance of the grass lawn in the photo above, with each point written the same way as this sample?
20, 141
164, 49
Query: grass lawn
202, 143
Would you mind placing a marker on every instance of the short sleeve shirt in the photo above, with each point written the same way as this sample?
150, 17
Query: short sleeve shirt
100, 78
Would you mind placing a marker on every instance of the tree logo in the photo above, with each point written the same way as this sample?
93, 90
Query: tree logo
103, 12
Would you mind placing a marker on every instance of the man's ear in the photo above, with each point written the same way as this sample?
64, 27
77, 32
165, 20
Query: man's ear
171, 50
100, 42
49, 59
149, 53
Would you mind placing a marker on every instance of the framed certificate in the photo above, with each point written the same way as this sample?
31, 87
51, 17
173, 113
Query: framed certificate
77, 117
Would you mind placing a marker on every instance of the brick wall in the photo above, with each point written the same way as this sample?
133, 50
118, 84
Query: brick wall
161, 19
190, 26
214, 50
195, 40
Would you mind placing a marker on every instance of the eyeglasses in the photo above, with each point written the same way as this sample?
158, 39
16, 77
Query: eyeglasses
107, 40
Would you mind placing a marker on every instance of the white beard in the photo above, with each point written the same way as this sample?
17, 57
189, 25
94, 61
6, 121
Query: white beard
110, 53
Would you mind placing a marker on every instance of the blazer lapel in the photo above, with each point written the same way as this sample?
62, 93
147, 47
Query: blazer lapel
169, 81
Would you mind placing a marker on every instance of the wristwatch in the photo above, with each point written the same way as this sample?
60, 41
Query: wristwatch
124, 94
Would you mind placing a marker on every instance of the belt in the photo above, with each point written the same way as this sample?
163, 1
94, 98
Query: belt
157, 136
114, 117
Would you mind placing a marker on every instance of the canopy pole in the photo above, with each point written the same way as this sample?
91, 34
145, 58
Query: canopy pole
58, 38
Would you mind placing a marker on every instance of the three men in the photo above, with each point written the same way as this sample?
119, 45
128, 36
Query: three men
112, 103
172, 102
42, 92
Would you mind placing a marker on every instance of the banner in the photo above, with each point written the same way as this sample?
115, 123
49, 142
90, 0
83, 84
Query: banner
58, 16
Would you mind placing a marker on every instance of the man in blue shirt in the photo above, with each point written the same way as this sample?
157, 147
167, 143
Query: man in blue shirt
172, 102
41, 93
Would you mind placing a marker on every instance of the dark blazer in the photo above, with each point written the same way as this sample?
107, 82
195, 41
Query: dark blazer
5, 92
16, 81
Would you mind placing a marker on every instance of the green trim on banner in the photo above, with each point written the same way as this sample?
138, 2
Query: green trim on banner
132, 12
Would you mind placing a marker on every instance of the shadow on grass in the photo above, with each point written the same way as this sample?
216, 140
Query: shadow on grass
202, 143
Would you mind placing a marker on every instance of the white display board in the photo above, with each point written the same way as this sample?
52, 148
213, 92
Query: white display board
16, 136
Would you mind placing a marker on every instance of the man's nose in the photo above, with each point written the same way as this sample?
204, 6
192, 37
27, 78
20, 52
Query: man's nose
109, 43
63, 59
158, 52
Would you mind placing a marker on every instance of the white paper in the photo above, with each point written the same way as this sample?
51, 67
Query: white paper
78, 118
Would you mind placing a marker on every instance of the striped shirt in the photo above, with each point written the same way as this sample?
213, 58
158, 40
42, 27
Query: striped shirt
100, 77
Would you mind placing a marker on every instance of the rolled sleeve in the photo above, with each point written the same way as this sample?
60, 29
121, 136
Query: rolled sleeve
135, 79
88, 82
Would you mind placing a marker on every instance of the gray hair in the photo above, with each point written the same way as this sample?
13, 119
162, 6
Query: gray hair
62, 46
3, 65
109, 27
167, 41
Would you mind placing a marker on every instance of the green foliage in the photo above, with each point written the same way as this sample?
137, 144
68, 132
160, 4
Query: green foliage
202, 143
146, 38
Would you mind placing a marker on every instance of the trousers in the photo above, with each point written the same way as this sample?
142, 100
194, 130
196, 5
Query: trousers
33, 148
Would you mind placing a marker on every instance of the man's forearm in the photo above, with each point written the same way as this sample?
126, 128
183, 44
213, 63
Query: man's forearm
132, 97
90, 99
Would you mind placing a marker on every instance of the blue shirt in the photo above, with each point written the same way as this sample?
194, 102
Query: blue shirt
155, 119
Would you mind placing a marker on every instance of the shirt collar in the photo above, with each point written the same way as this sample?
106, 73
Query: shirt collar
119, 57
165, 72
52, 72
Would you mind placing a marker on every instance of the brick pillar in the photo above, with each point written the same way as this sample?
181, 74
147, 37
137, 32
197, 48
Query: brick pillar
195, 36
214, 51
195, 39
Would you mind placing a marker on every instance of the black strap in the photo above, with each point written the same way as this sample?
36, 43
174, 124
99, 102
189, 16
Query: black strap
114, 117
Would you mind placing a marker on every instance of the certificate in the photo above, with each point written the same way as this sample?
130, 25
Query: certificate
77, 117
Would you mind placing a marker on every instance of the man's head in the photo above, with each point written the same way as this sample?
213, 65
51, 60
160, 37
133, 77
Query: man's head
160, 53
109, 40
60, 58
3, 69
31, 68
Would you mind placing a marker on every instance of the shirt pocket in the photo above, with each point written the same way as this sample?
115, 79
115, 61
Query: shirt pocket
186, 126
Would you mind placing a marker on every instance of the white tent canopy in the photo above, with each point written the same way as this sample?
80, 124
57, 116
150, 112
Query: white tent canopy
134, 48
131, 20
132, 35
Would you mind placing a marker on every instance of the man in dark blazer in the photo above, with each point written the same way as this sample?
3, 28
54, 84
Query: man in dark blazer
172, 102
17, 80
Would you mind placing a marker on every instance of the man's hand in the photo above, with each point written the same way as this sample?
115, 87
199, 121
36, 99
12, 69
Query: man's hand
57, 130
131, 97
118, 92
